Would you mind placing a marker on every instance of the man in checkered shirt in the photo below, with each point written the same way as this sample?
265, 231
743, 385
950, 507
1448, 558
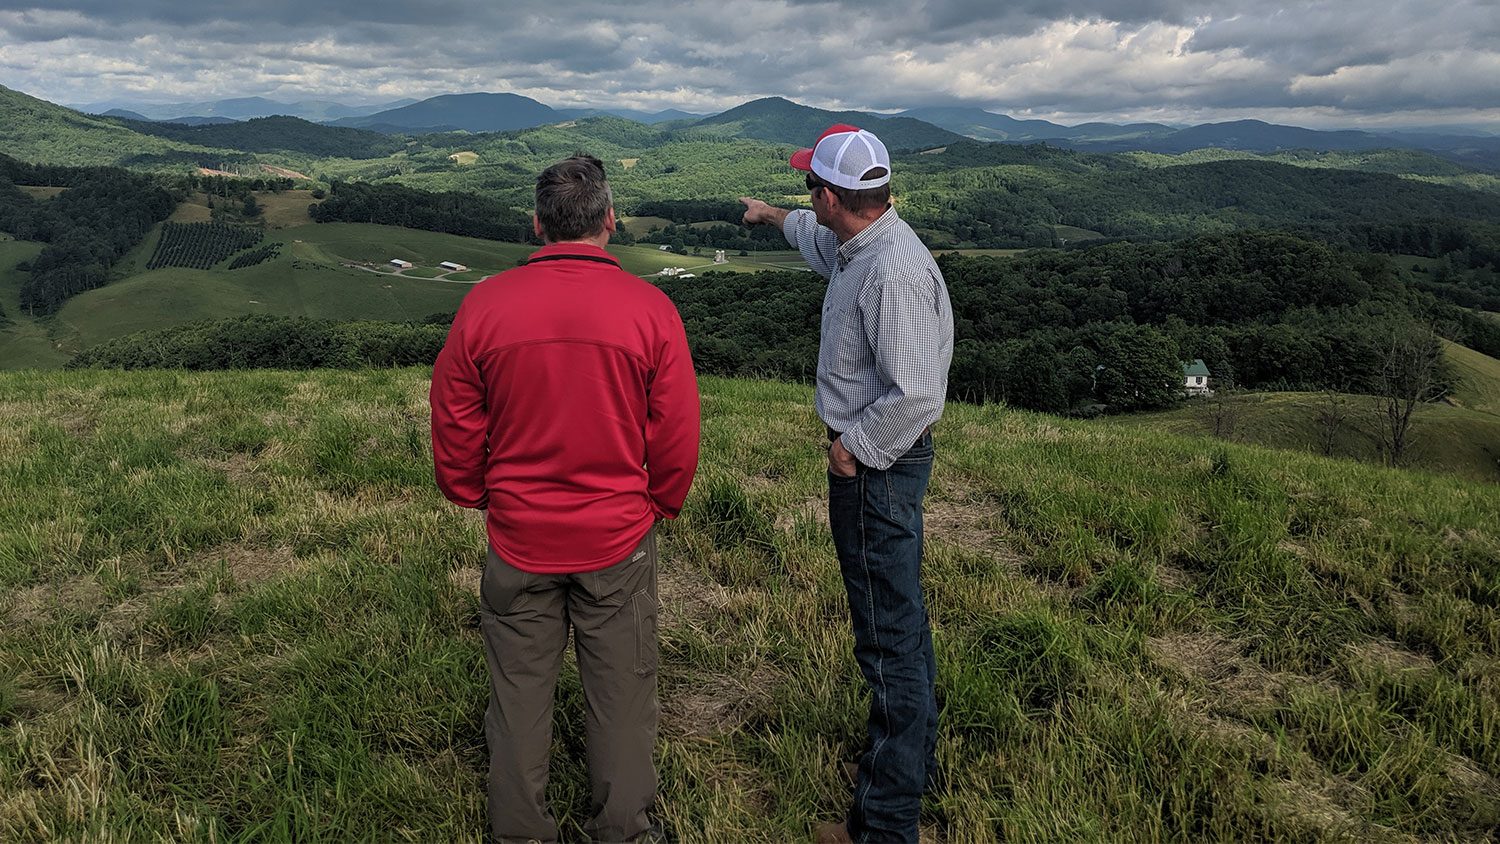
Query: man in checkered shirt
887, 339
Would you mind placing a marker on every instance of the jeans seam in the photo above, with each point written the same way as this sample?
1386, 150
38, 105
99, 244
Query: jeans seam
880, 693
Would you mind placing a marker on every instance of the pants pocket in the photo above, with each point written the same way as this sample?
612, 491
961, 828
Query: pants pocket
501, 584
643, 610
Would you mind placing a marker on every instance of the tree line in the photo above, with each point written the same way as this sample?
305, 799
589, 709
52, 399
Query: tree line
270, 342
1110, 327
397, 205
102, 215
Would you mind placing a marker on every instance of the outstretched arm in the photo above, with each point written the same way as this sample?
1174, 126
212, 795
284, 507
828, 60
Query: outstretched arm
818, 245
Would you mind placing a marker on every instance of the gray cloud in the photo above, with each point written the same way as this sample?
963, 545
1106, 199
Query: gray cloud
1331, 61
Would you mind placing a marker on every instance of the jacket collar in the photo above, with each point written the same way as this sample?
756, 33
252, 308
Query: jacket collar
563, 251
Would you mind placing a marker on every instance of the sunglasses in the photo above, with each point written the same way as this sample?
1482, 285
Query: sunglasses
814, 183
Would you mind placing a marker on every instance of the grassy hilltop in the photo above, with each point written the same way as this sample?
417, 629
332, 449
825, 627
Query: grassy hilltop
233, 605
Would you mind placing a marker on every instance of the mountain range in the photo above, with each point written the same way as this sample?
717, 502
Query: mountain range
779, 120
239, 108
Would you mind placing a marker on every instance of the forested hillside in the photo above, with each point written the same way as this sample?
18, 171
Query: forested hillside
103, 213
1111, 325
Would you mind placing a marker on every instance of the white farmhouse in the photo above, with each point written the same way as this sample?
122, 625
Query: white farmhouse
1195, 378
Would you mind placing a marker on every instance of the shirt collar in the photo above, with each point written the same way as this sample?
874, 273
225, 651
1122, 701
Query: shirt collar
589, 251
873, 232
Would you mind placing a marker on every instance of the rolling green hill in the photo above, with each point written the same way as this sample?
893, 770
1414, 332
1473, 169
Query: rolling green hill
314, 275
782, 121
1463, 441
276, 134
1479, 379
37, 131
232, 605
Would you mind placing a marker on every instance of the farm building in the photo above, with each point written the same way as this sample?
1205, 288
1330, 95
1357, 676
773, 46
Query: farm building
400, 264
720, 257
455, 267
664, 247
674, 271
1195, 378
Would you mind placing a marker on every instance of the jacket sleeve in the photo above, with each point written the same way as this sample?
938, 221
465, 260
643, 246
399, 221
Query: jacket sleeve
459, 438
672, 423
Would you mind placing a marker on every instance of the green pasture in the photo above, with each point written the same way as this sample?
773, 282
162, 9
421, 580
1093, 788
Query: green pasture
1459, 440
24, 342
233, 607
1073, 234
1478, 378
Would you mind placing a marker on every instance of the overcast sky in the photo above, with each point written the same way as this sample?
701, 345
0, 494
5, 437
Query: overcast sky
1319, 63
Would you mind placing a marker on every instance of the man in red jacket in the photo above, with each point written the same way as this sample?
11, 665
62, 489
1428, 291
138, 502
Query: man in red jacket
564, 403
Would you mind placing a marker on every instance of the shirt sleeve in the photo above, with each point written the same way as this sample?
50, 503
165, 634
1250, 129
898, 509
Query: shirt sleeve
672, 423
819, 246
904, 326
459, 436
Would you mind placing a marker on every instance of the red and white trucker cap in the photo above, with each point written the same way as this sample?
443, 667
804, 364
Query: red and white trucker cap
844, 155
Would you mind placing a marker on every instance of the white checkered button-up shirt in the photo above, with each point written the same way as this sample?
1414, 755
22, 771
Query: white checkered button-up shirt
887, 334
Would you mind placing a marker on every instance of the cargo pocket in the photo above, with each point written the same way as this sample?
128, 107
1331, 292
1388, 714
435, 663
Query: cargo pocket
643, 608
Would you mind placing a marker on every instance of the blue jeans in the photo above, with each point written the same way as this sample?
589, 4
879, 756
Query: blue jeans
876, 519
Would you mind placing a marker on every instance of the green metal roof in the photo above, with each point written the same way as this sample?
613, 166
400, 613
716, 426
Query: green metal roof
1197, 367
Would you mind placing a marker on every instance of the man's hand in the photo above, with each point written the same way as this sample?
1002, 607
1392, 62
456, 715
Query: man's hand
757, 212
840, 460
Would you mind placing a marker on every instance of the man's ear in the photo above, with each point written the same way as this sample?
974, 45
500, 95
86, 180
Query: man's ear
609, 220
536, 226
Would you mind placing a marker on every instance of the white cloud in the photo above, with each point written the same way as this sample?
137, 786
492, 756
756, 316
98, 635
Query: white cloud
1175, 59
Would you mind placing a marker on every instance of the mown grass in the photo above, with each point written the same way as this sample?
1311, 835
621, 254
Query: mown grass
233, 606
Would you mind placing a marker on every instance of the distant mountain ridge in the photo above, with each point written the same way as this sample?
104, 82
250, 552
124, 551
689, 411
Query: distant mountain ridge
481, 112
782, 121
989, 126
239, 108
1481, 151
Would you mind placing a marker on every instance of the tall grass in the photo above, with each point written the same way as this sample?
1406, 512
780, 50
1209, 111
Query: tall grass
233, 606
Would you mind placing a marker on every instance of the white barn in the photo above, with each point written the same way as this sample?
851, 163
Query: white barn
400, 264
454, 267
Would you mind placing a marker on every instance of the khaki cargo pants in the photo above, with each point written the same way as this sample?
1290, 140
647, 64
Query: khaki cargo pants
525, 619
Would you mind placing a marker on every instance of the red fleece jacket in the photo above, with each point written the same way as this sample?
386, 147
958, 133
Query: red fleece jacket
565, 403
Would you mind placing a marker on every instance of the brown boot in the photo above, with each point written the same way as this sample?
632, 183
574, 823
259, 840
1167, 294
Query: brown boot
833, 833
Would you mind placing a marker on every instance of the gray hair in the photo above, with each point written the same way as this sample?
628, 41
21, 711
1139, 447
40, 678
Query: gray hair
572, 199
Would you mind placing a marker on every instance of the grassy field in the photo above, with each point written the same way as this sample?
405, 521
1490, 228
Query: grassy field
1459, 440
642, 225
1479, 374
1460, 436
232, 605
24, 342
40, 191
279, 209
1073, 234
